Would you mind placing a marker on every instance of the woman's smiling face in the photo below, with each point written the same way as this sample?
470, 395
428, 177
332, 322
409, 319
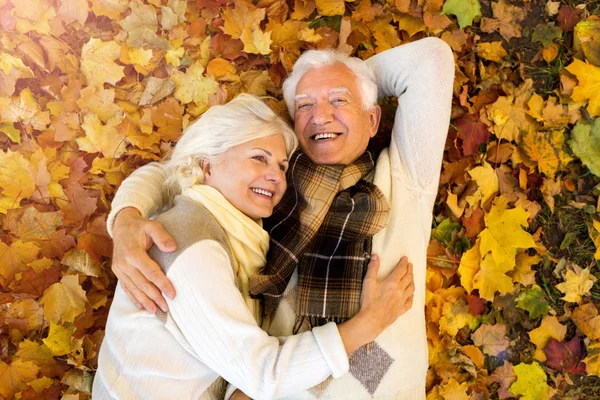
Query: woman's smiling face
251, 176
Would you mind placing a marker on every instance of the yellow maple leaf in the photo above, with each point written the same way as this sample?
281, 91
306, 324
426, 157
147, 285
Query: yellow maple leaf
99, 101
492, 51
504, 233
8, 203
64, 300
29, 310
487, 184
576, 285
193, 86
98, 62
141, 26
24, 109
59, 339
492, 278
592, 361
509, 118
74, 11
8, 63
331, 7
16, 176
36, 352
595, 234
588, 86
531, 382
14, 259
222, 70
454, 390
523, 273
174, 55
412, 25
33, 15
469, 266
455, 315
136, 56
587, 320
547, 149
38, 385
549, 328
101, 138
14, 376
384, 33
114, 9
243, 22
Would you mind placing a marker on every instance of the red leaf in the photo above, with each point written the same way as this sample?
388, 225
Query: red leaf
565, 356
58, 244
473, 132
474, 223
477, 305
568, 17
35, 284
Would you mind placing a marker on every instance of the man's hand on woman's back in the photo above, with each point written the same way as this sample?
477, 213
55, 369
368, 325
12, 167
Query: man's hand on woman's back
141, 278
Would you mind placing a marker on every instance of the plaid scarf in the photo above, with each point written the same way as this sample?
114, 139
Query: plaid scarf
324, 225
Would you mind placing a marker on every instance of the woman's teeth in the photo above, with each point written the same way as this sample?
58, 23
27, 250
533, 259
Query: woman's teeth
262, 191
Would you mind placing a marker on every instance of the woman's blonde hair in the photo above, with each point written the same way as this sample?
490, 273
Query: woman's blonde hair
220, 128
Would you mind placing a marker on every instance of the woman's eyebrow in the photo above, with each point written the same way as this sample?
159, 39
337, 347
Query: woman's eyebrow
268, 152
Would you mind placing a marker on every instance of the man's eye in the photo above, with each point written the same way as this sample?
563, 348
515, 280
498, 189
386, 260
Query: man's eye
339, 101
304, 106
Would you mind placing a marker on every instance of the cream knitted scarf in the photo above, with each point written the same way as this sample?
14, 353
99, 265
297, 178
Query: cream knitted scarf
248, 241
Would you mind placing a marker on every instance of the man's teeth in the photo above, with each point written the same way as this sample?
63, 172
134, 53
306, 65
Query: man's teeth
261, 191
321, 136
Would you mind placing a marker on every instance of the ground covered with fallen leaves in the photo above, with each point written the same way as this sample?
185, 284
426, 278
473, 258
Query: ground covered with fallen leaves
91, 90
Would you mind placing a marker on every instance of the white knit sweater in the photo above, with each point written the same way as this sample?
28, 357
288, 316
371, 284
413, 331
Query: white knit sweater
209, 333
421, 75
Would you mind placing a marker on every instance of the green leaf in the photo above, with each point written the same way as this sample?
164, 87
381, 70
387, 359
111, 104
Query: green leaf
585, 143
587, 39
546, 33
443, 232
464, 10
533, 301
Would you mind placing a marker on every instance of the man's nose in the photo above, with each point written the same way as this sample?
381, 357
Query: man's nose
323, 113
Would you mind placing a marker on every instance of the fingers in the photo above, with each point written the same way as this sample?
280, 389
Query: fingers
373, 268
161, 238
144, 277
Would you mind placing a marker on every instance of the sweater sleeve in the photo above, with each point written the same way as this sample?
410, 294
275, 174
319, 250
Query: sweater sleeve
144, 190
421, 75
211, 314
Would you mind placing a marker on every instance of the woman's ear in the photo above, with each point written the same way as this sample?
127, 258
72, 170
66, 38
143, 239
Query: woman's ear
205, 166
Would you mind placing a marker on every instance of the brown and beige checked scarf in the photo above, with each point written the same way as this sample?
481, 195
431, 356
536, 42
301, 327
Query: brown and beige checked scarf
324, 224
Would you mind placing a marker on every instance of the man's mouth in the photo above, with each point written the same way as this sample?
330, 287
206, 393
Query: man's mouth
325, 136
264, 192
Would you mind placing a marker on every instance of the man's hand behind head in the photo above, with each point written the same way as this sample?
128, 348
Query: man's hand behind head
141, 278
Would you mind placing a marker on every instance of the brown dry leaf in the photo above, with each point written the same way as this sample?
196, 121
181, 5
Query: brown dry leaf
507, 20
587, 320
492, 338
14, 259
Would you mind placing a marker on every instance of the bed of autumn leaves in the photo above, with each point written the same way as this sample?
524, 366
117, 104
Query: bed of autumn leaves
91, 90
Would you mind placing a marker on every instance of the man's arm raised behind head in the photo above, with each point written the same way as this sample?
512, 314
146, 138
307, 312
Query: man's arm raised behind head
141, 194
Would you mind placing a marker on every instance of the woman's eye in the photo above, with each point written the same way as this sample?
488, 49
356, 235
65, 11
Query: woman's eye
282, 168
259, 158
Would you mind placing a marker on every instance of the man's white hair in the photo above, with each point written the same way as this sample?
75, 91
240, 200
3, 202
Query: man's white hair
219, 129
365, 77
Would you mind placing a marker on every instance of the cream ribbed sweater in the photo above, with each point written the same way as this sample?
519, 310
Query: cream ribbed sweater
421, 75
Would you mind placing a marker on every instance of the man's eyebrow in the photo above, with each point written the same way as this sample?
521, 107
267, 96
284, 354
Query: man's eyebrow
300, 97
339, 90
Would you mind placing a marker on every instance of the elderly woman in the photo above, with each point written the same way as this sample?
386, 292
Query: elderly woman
229, 168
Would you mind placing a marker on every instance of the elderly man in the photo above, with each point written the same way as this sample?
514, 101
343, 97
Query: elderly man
343, 202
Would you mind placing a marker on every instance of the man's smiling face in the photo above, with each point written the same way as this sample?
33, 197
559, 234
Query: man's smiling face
330, 121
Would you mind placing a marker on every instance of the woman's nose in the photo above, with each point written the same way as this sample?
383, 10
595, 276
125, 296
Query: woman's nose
274, 174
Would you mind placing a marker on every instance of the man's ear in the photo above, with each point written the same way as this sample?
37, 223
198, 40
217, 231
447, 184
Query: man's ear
374, 119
